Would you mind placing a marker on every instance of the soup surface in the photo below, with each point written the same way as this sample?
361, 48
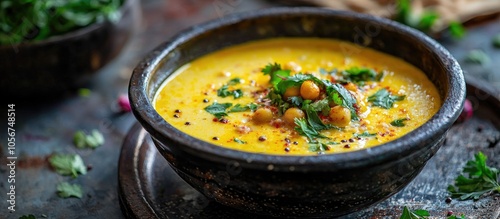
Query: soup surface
297, 96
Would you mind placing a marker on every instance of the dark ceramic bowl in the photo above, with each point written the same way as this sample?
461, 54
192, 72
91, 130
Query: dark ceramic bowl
323, 185
61, 63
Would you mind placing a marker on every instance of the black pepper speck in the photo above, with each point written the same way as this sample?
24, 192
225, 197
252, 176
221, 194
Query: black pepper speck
215, 138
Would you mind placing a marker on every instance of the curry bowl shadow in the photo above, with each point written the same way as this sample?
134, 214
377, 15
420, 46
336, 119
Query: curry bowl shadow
299, 186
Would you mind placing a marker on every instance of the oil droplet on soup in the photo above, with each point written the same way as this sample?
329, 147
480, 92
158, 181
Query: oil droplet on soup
297, 96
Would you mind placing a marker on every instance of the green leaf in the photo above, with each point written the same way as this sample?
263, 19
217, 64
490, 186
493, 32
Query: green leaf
84, 92
477, 56
277, 74
360, 75
384, 99
296, 101
427, 20
277, 101
66, 190
93, 140
417, 214
462, 216
477, 180
312, 116
365, 134
68, 165
79, 139
234, 81
496, 41
304, 129
218, 109
29, 216
237, 93
399, 122
240, 108
239, 141
224, 91
341, 96
457, 30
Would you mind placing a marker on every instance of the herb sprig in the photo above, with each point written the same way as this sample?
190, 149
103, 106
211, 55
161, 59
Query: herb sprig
68, 164
383, 98
477, 180
66, 190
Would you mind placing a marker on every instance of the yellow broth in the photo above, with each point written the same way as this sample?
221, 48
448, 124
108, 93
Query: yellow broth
183, 97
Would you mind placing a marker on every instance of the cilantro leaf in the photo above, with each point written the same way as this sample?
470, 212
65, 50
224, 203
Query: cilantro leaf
234, 81
237, 93
364, 134
478, 180
360, 75
496, 41
312, 116
457, 30
384, 99
66, 190
240, 108
295, 81
304, 129
477, 56
225, 92
462, 216
239, 141
277, 74
341, 96
297, 101
278, 101
399, 122
427, 20
218, 109
93, 140
318, 147
70, 164
417, 214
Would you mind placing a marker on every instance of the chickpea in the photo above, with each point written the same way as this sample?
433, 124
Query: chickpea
309, 90
340, 116
291, 114
262, 115
291, 92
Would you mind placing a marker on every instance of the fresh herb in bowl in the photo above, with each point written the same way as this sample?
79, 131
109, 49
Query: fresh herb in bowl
34, 20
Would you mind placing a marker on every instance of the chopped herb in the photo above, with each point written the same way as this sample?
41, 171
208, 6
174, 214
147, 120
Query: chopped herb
239, 141
384, 99
305, 130
278, 101
399, 122
364, 134
360, 75
29, 216
277, 74
462, 216
313, 118
318, 147
66, 190
218, 109
84, 92
93, 140
417, 214
496, 41
70, 164
427, 20
341, 96
297, 101
477, 56
322, 106
239, 108
478, 180
225, 92
234, 81
457, 30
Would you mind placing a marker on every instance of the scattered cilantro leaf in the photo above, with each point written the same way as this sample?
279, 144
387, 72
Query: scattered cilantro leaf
341, 96
225, 92
93, 140
277, 74
237, 93
234, 81
477, 180
29, 216
240, 108
360, 75
69, 164
462, 216
66, 190
278, 101
239, 141
477, 56
218, 109
364, 134
496, 41
318, 147
457, 30
312, 116
427, 20
399, 122
417, 214
297, 101
304, 129
384, 99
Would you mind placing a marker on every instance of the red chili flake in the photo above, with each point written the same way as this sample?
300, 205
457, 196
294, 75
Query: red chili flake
124, 103
467, 112
215, 119
449, 213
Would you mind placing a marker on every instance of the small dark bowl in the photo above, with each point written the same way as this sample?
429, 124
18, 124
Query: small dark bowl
296, 186
62, 63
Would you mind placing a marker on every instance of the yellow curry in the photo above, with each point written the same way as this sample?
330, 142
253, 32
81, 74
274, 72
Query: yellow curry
297, 96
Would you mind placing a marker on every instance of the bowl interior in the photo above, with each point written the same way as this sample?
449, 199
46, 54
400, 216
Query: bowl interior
380, 34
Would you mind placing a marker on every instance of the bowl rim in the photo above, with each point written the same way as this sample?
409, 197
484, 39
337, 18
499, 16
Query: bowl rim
410, 143
77, 33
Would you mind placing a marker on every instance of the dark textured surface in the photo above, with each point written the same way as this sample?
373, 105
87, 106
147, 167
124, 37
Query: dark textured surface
47, 127
167, 195
331, 184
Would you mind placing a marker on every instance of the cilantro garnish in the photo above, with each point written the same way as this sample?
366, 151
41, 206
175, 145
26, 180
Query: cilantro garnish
478, 180
277, 74
399, 122
384, 99
417, 214
312, 116
70, 164
360, 75
496, 41
478, 56
364, 134
66, 190
240, 108
225, 92
239, 141
304, 129
93, 140
234, 81
218, 109
341, 96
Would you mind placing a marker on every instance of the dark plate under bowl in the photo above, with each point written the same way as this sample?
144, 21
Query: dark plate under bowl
65, 62
332, 184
